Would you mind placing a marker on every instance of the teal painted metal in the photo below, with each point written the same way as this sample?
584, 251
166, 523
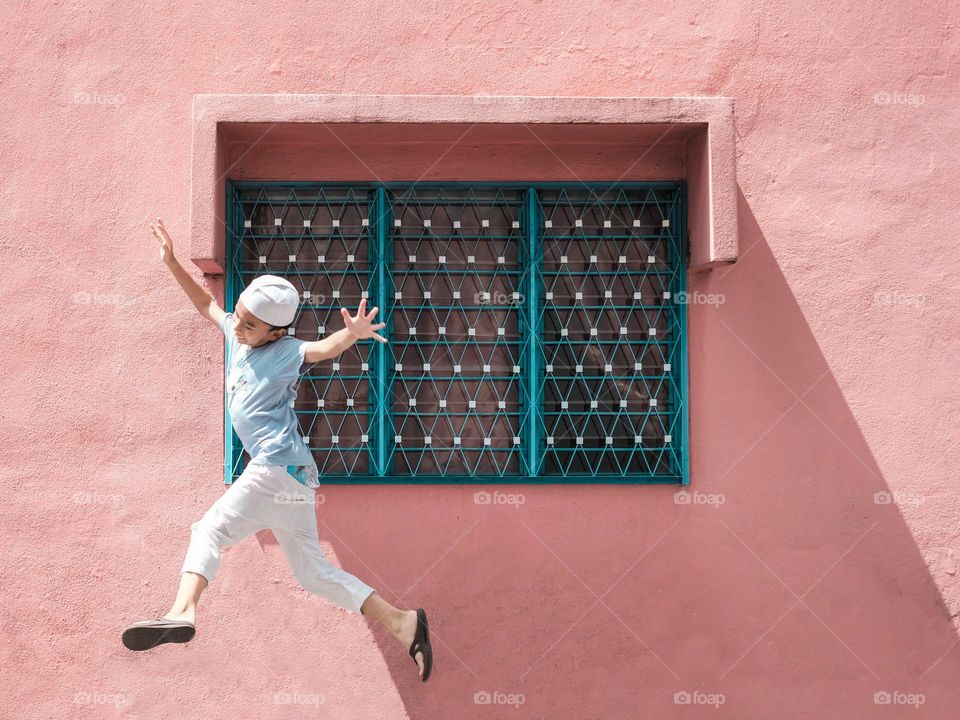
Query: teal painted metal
233, 448
437, 406
533, 339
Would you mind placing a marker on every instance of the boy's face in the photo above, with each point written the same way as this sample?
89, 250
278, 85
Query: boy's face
251, 330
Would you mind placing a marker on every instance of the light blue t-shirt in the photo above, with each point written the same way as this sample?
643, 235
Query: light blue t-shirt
261, 388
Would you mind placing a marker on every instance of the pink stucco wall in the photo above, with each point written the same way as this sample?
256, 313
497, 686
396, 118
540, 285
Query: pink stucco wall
822, 386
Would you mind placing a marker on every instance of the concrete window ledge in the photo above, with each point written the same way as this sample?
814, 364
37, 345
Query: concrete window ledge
478, 137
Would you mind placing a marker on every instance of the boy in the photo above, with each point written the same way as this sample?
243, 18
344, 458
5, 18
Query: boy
276, 490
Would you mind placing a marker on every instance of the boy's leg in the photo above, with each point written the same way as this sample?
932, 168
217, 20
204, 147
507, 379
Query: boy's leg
296, 531
241, 511
317, 574
188, 595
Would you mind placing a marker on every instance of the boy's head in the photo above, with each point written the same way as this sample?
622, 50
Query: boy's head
264, 310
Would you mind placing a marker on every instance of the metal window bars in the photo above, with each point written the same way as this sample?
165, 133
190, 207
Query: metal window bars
537, 331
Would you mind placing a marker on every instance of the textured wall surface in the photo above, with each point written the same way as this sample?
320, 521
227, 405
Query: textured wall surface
815, 569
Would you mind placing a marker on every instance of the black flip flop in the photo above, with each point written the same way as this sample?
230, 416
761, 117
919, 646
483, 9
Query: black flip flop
421, 643
147, 634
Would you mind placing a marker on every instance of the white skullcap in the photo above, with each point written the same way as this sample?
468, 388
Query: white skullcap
271, 299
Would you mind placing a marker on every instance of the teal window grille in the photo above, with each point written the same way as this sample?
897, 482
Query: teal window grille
537, 332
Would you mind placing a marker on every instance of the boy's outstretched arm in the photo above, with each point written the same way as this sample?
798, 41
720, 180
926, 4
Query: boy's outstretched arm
357, 327
202, 299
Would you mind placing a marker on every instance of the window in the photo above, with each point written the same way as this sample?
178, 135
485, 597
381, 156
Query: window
537, 332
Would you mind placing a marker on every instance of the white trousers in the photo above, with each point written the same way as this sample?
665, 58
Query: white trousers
267, 496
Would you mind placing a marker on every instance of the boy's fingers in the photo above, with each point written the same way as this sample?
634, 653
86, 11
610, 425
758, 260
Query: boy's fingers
378, 326
379, 337
345, 313
373, 313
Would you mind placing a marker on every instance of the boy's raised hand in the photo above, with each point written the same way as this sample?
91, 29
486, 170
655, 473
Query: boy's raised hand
361, 324
166, 244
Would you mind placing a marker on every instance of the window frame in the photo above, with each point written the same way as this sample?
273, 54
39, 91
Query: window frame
379, 283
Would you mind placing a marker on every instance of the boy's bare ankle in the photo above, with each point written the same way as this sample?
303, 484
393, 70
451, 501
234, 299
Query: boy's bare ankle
187, 614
